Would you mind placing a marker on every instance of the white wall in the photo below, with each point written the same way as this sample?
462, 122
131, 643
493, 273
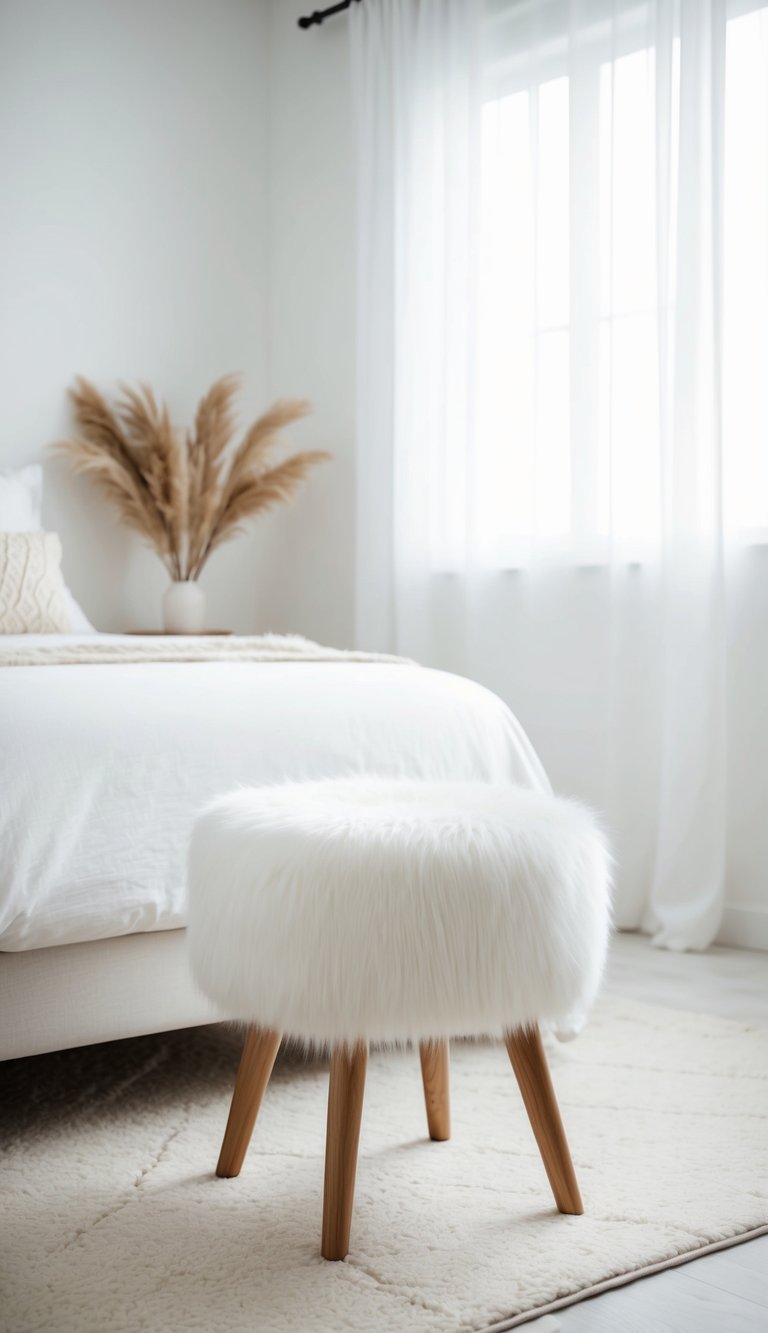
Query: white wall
176, 201
133, 162
312, 306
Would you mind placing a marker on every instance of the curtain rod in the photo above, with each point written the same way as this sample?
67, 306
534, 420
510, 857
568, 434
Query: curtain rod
320, 14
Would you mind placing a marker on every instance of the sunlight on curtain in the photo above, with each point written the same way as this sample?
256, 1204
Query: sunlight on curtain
570, 326
745, 296
563, 404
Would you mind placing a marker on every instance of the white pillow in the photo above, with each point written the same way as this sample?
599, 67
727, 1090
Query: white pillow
32, 587
21, 499
21, 503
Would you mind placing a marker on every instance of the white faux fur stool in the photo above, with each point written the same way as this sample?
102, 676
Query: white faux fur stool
372, 909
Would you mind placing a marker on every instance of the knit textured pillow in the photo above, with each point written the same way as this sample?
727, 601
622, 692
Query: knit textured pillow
32, 589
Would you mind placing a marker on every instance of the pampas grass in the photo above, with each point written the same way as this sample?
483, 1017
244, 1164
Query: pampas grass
185, 496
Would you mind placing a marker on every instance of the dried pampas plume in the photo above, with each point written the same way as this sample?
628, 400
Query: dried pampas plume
185, 497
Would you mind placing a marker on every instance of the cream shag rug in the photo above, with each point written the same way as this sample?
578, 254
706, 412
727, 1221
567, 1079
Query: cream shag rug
112, 1218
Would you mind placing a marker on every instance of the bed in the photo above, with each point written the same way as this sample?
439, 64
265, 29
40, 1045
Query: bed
104, 763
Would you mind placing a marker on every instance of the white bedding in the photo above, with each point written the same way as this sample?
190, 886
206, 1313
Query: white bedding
102, 768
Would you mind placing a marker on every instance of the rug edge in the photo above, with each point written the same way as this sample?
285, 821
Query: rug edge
624, 1280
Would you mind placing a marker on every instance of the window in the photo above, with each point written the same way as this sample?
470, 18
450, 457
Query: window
577, 279
745, 295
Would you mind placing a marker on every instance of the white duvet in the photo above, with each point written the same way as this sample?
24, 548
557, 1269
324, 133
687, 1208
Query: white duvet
102, 769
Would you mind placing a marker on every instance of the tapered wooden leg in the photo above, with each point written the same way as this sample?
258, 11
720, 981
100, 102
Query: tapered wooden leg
259, 1052
435, 1074
526, 1051
345, 1109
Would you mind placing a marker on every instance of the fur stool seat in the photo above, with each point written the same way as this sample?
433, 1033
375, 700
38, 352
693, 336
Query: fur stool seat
373, 909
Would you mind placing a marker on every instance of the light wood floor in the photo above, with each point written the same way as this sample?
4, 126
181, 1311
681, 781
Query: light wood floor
725, 1292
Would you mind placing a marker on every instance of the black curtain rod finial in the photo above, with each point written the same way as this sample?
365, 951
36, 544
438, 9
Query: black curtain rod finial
317, 17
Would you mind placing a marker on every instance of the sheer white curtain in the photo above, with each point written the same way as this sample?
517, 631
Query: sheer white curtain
563, 411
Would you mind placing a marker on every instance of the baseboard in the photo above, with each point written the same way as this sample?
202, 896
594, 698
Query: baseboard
744, 928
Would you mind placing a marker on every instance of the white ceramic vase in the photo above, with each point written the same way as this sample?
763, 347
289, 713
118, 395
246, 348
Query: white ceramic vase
184, 608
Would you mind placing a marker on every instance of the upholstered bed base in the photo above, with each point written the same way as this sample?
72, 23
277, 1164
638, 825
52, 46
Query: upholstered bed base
77, 994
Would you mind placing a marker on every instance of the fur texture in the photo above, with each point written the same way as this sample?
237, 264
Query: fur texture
397, 910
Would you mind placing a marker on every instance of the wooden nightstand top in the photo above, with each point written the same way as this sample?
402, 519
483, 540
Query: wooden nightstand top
201, 634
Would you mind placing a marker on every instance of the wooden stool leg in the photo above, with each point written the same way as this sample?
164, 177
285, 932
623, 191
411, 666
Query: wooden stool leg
526, 1051
259, 1052
345, 1109
435, 1074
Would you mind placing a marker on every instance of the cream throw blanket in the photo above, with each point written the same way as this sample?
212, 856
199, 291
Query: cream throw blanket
187, 648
